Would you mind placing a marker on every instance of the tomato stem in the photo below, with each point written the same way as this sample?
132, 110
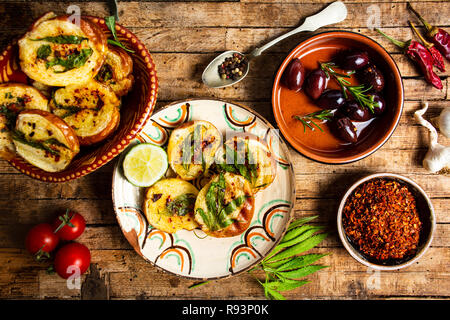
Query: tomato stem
65, 220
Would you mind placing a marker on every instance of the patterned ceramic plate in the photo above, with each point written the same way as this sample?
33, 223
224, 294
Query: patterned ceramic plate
191, 254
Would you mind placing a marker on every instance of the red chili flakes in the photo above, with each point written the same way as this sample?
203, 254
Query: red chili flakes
381, 218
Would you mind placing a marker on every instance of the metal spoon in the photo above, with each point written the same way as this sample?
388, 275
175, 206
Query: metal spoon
334, 13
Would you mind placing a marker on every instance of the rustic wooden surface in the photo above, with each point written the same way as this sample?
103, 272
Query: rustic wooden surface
183, 37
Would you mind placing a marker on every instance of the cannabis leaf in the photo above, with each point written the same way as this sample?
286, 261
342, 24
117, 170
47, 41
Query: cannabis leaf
284, 267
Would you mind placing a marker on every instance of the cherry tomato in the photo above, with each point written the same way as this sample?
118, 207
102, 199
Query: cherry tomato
69, 226
41, 240
72, 259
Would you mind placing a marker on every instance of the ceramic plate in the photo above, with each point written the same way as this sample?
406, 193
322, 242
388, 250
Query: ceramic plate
192, 254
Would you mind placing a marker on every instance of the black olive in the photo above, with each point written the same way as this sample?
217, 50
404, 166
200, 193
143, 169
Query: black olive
345, 129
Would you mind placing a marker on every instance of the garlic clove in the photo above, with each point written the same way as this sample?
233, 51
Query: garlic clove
444, 122
437, 158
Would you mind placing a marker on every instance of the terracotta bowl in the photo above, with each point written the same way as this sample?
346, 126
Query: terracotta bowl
136, 109
426, 216
324, 146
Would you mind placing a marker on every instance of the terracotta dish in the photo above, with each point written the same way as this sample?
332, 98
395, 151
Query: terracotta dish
136, 108
324, 146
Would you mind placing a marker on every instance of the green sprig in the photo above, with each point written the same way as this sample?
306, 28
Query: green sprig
358, 92
307, 119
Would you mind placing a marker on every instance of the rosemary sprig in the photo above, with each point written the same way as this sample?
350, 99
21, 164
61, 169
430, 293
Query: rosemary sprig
284, 268
358, 92
307, 119
365, 100
328, 68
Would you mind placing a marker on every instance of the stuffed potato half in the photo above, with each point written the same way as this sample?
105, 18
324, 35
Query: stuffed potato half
192, 147
225, 206
169, 205
249, 156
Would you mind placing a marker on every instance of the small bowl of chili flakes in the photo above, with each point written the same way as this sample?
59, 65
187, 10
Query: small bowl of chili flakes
386, 221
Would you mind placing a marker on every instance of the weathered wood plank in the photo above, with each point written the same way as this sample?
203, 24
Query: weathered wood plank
125, 266
208, 14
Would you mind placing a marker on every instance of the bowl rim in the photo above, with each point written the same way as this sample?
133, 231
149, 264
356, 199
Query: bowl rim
117, 147
397, 78
354, 252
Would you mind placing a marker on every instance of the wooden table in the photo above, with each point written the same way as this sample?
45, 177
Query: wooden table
182, 38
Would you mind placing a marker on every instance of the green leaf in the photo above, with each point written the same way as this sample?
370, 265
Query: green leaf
300, 247
301, 272
44, 51
63, 39
299, 262
198, 284
285, 285
303, 236
272, 294
182, 204
72, 61
300, 221
111, 24
291, 234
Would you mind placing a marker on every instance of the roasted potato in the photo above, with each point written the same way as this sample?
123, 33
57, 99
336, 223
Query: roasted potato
169, 205
91, 109
14, 98
225, 206
249, 156
192, 147
116, 71
58, 52
44, 140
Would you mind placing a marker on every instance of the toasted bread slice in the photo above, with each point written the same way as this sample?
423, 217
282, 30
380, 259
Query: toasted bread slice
249, 156
44, 140
169, 205
14, 98
56, 51
192, 147
91, 109
225, 206
116, 71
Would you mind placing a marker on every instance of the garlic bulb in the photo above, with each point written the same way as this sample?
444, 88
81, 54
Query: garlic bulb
438, 156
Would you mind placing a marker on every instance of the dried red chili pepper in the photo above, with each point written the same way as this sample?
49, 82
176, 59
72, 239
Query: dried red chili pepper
420, 54
438, 60
438, 36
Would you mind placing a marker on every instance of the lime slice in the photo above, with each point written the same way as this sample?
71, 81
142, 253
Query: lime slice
145, 164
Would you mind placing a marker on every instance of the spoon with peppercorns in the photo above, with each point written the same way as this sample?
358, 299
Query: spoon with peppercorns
232, 66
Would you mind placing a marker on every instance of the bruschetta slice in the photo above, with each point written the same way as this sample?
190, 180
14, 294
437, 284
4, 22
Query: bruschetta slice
225, 206
192, 147
116, 71
14, 98
169, 205
44, 140
91, 109
249, 156
59, 51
